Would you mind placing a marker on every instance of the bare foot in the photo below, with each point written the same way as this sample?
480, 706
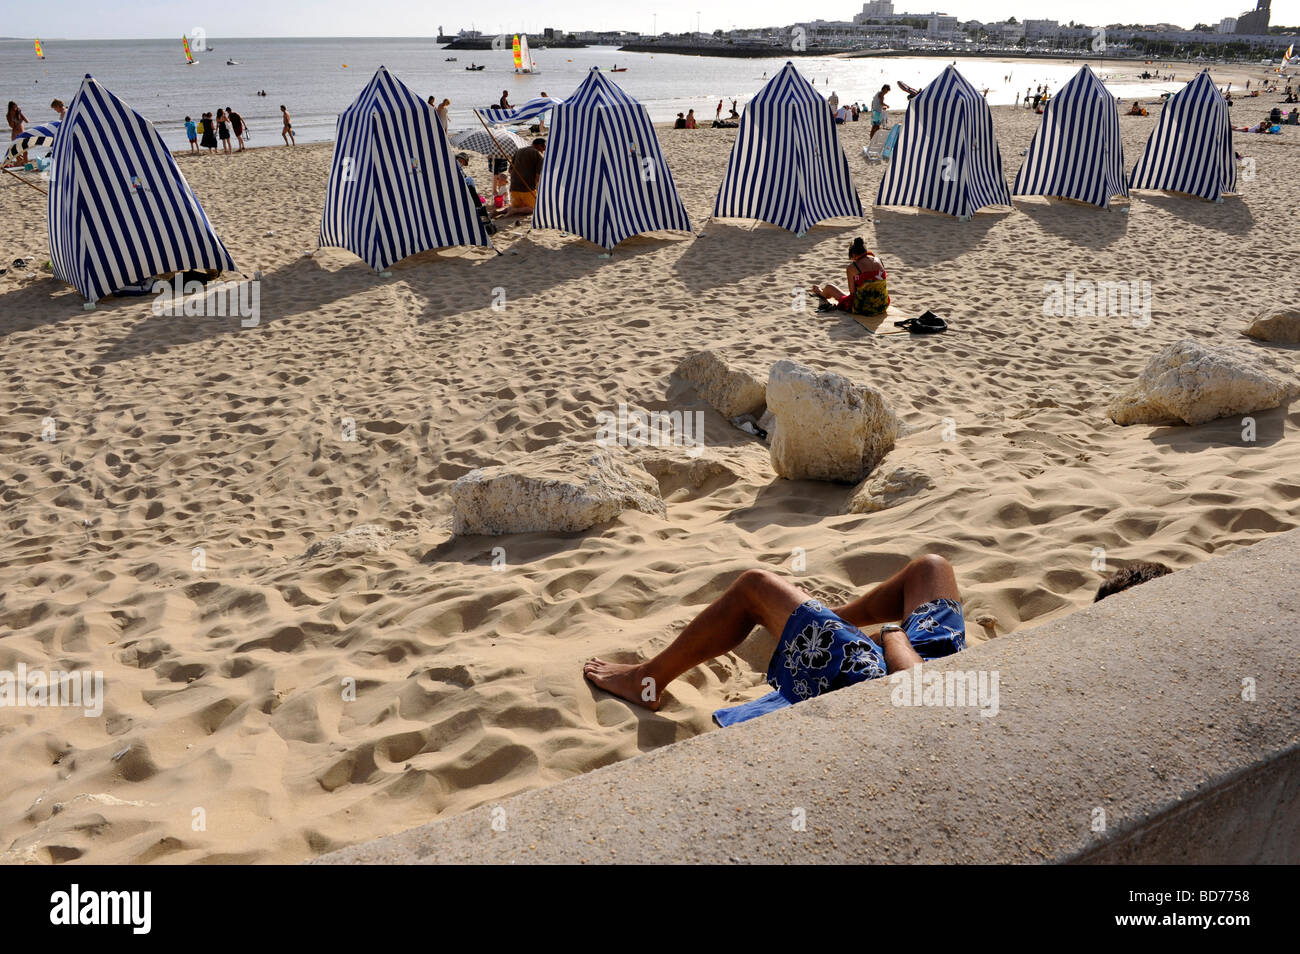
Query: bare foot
624, 680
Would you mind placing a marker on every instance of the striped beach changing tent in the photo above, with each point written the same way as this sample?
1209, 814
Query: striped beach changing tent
1077, 152
120, 212
394, 187
496, 116
604, 177
1190, 150
33, 137
947, 158
786, 166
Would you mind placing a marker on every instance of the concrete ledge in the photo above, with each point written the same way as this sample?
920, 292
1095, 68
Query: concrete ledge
1122, 736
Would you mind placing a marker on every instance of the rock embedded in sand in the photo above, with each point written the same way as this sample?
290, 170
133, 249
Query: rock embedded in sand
729, 388
360, 540
825, 426
890, 486
1188, 383
1282, 327
563, 489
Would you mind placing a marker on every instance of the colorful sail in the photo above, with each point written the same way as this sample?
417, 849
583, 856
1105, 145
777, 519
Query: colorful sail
519, 61
40, 51
189, 57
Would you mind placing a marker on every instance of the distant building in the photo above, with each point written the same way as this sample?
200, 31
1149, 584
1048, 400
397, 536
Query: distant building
1227, 25
876, 10
1255, 22
1042, 29
941, 26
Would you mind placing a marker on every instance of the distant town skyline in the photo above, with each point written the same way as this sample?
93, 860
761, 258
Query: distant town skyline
91, 19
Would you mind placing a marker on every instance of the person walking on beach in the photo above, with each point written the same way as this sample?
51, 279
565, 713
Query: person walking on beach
287, 132
192, 134
208, 133
833, 101
444, 113
718, 117
878, 111
819, 649
223, 131
236, 126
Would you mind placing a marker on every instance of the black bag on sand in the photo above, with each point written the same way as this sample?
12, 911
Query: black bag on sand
926, 324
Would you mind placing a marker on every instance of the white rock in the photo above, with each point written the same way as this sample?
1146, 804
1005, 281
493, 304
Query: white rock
1283, 327
360, 540
826, 427
728, 387
562, 489
1188, 383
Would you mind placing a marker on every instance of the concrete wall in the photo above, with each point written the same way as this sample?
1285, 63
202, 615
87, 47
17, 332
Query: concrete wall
1122, 735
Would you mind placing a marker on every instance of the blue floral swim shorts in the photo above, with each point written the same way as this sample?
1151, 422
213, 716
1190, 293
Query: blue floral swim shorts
819, 652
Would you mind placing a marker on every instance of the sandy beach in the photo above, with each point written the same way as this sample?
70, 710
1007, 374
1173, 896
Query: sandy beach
225, 735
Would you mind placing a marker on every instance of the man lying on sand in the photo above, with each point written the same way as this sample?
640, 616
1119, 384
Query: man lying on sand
819, 650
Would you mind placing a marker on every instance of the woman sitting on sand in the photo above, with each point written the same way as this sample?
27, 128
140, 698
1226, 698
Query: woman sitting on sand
868, 293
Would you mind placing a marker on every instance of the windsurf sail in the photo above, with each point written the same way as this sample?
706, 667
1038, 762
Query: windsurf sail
519, 62
40, 50
189, 56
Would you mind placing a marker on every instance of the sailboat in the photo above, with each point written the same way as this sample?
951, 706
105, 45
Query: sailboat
40, 50
523, 59
189, 56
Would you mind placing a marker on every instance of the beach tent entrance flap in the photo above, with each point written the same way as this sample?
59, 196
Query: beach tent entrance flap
1190, 149
1077, 152
947, 158
394, 187
786, 166
604, 176
120, 212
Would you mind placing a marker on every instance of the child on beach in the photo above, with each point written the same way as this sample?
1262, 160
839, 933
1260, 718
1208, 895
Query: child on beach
192, 134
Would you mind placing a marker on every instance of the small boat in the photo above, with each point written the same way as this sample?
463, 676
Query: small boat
450, 59
475, 69
232, 62
618, 69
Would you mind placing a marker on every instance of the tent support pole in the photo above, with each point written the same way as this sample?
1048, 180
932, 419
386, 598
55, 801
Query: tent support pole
26, 183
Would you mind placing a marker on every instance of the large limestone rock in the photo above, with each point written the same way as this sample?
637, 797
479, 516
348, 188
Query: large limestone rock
1188, 383
1280, 328
826, 427
562, 489
729, 388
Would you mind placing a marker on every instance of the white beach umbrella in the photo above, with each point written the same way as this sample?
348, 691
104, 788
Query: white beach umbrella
478, 140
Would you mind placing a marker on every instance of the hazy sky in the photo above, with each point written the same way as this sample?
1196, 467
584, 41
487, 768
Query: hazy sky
97, 19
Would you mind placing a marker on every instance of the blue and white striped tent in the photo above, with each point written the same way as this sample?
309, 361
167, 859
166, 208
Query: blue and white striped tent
495, 116
786, 166
1077, 152
120, 212
605, 177
1190, 150
947, 158
394, 187
33, 137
